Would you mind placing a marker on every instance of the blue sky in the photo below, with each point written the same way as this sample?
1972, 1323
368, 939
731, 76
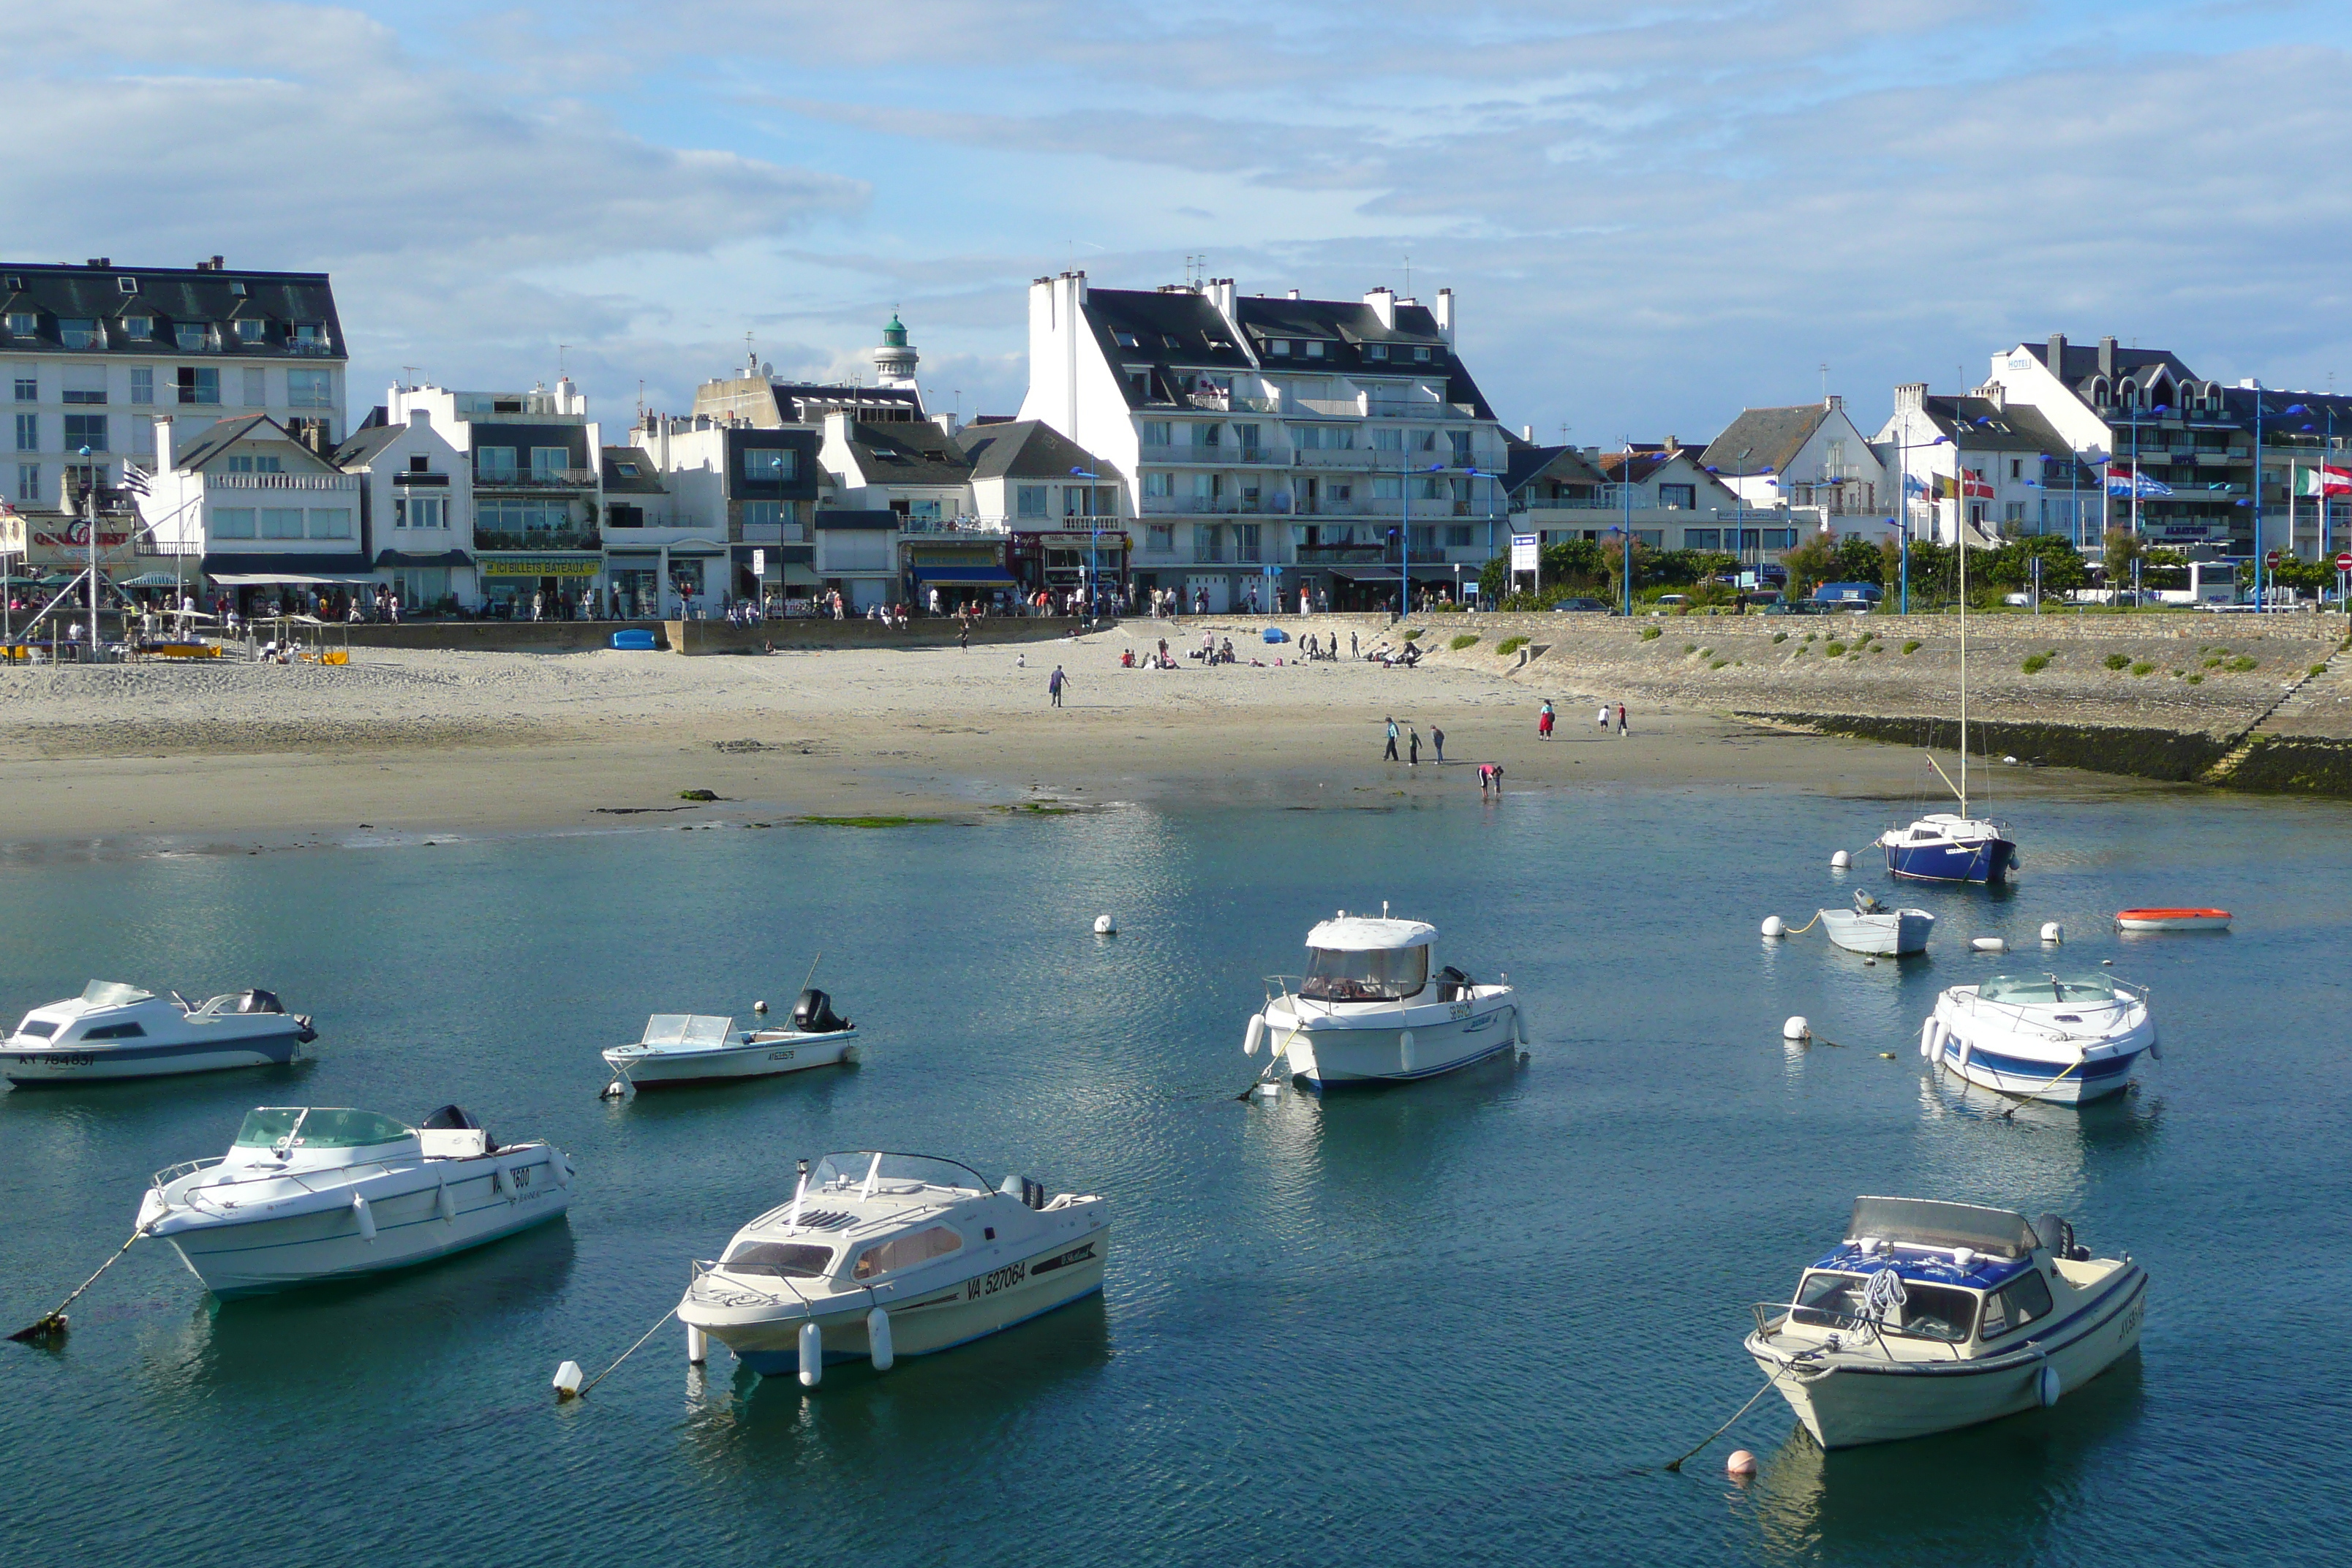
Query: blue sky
1651, 214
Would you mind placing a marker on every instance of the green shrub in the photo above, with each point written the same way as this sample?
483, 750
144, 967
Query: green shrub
1835, 649
1780, 636
1649, 634
2143, 667
2318, 670
2212, 664
1690, 647
1719, 664
1801, 651
2241, 663
2195, 681
1511, 645
1414, 635
2118, 661
1465, 640
2036, 663
1810, 635
1911, 646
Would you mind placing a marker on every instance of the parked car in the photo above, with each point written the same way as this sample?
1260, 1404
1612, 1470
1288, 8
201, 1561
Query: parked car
1671, 601
1580, 604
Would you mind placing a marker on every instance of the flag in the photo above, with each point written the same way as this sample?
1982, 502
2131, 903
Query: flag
2323, 480
134, 479
1913, 485
2123, 481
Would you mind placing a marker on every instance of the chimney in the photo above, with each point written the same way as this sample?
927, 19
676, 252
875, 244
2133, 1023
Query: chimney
2057, 359
948, 423
101, 262
1993, 392
1445, 316
1383, 303
1221, 295
1527, 434
1292, 295
420, 418
2107, 358
1911, 397
1833, 402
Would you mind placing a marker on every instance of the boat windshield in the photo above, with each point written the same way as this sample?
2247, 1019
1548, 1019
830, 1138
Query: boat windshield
686, 1029
2042, 990
327, 1127
1374, 974
793, 1260
895, 1173
112, 994
1829, 1299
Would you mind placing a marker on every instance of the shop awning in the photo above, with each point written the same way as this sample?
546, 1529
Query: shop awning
797, 575
291, 579
422, 558
1421, 573
989, 576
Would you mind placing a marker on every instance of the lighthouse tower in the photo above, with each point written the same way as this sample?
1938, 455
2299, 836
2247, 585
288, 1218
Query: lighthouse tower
894, 361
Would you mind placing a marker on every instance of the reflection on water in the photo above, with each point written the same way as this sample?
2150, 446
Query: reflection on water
1986, 1494
2028, 1155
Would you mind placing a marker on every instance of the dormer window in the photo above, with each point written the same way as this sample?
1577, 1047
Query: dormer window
1280, 347
1421, 356
139, 329
127, 285
76, 333
249, 330
1126, 339
1314, 349
22, 324
189, 337
1376, 350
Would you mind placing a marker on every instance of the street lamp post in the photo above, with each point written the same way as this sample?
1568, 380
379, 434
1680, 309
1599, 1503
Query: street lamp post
1903, 450
1093, 545
1404, 535
1625, 530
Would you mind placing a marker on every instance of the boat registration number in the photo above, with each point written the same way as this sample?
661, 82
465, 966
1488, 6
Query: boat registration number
1461, 1010
989, 1284
2131, 1322
780, 1055
66, 1058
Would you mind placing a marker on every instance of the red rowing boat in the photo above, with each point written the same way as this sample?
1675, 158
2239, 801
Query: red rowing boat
2172, 920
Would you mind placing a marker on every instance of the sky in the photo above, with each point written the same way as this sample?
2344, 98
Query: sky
1652, 214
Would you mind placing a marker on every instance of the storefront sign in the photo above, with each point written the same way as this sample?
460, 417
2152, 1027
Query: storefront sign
538, 566
923, 555
12, 533
56, 540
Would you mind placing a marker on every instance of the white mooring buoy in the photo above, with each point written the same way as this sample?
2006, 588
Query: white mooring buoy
760, 1008
1741, 1464
567, 1381
698, 1346
1106, 926
1796, 1028
1989, 944
2052, 932
1775, 926
1840, 860
812, 1355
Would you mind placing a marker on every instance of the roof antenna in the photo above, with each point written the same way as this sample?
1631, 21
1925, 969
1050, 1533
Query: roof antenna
560, 351
1825, 382
1407, 274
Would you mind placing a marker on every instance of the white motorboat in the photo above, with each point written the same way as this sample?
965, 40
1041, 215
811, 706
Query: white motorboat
1932, 1316
116, 1031
1870, 927
880, 1255
2068, 1038
697, 1048
322, 1193
1368, 1011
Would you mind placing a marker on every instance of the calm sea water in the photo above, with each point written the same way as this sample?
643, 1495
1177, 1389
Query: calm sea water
1460, 1321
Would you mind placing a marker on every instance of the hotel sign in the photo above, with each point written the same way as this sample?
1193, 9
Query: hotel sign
539, 565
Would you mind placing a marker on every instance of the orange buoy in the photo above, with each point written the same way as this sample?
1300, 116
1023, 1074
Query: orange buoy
2172, 920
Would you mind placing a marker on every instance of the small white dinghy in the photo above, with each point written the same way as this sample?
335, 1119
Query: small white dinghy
2066, 1039
308, 1194
1932, 1316
697, 1047
880, 1256
1870, 927
116, 1031
1369, 1011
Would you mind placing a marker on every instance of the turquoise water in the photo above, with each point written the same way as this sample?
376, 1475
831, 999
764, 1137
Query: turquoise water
1459, 1321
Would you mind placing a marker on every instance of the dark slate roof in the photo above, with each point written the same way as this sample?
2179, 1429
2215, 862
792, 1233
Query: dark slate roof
645, 481
1023, 450
916, 453
2082, 362
1771, 437
1527, 464
364, 443
2238, 404
1347, 328
1979, 424
217, 438
174, 295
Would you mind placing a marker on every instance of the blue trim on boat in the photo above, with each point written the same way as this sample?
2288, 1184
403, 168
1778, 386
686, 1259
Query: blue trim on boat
783, 1363
2025, 1068
1487, 1053
277, 1047
1942, 860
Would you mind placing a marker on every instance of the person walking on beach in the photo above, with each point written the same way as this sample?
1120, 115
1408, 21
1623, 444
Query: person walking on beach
1391, 755
1053, 684
1413, 745
1437, 739
1543, 721
1621, 720
1604, 718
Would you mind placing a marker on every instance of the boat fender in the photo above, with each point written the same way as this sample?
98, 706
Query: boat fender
878, 1340
2156, 1049
1967, 1048
1989, 944
567, 1381
812, 1355
1519, 1029
562, 1163
2049, 1385
1796, 1028
1106, 926
698, 1346
849, 1056
1404, 1049
1256, 1035
1841, 861
444, 1204
361, 1212
760, 1008
1927, 1040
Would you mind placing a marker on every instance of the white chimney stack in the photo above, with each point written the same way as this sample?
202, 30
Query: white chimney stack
1383, 303
1445, 316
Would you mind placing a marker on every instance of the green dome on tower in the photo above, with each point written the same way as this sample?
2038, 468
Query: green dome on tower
894, 336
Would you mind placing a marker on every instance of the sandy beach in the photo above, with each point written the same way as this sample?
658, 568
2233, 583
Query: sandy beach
231, 754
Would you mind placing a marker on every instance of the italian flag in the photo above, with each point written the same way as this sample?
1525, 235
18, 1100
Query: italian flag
2322, 481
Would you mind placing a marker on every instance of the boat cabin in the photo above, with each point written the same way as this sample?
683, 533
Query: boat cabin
109, 1010
861, 1216
1358, 958
2048, 990
1969, 1277
278, 1138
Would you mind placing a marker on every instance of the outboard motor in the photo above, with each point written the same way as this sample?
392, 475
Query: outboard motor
456, 1118
1452, 986
814, 1013
2058, 1236
258, 1001
1028, 1189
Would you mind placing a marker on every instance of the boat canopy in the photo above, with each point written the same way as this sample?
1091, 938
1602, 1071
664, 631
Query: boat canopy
898, 1175
113, 994
2045, 990
323, 1127
1926, 1221
686, 1029
1363, 934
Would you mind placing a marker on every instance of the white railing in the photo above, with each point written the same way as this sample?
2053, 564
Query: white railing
282, 481
1344, 407
1331, 457
989, 525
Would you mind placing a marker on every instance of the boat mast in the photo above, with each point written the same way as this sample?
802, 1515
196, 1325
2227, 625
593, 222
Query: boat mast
1960, 534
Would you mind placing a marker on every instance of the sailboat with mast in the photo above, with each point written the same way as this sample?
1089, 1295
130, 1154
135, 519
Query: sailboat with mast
1946, 846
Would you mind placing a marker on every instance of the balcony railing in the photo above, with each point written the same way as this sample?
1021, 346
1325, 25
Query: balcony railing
1331, 457
1256, 454
994, 526
1338, 554
1188, 454
281, 482
318, 347
538, 479
538, 539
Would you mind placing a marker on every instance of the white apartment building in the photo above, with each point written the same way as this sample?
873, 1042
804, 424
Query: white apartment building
416, 509
91, 355
266, 516
1272, 445
538, 495
1809, 456
1978, 459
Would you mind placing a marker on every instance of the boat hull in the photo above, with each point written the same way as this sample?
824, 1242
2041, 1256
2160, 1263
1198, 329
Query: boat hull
1859, 1402
83, 1062
923, 1322
2104, 1069
1328, 1054
257, 1256
2172, 920
1989, 861
1896, 933
756, 1059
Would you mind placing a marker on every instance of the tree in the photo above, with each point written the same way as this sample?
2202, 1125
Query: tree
2124, 547
1809, 564
1858, 560
2011, 566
